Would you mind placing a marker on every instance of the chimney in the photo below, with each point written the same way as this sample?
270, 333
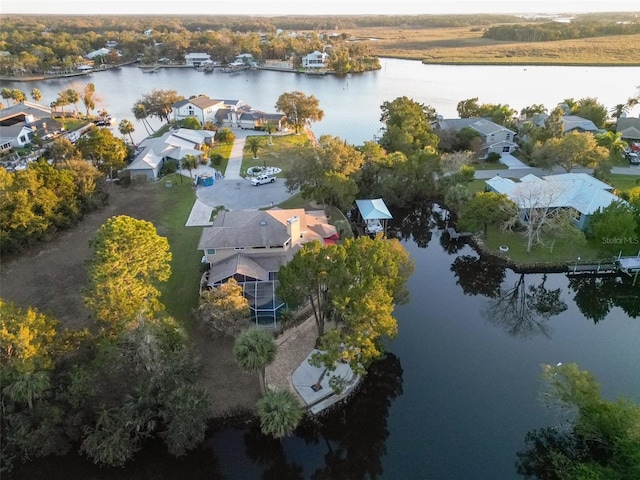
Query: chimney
293, 229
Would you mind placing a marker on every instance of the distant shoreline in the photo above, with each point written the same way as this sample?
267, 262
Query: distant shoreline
39, 78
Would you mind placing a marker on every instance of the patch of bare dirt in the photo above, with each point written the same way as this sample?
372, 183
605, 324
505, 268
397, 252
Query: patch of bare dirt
51, 275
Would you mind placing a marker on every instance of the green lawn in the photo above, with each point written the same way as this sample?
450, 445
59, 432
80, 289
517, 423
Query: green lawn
564, 251
481, 165
225, 151
180, 293
623, 182
280, 154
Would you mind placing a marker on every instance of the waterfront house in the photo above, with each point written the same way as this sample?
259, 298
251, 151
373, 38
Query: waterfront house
20, 123
172, 146
202, 107
315, 60
196, 59
251, 245
495, 137
579, 193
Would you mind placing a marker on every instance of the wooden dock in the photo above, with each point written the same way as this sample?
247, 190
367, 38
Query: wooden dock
627, 265
455, 235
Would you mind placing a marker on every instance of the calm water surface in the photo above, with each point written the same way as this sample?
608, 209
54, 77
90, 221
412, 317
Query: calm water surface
459, 390
352, 103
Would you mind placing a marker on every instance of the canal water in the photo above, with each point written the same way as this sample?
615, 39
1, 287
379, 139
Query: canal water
460, 388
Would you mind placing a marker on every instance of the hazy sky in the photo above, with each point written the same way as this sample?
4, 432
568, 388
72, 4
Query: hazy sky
313, 7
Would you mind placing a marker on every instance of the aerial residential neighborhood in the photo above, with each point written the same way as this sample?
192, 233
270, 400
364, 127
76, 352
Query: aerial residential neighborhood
319, 246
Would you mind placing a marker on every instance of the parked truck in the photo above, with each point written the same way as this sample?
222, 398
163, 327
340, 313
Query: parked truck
262, 179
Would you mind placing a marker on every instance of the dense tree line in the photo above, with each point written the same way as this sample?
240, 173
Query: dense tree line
42, 199
38, 45
545, 32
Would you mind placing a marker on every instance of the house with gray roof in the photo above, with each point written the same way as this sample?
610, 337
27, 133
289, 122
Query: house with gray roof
226, 113
629, 127
570, 123
21, 122
579, 193
251, 245
496, 138
173, 145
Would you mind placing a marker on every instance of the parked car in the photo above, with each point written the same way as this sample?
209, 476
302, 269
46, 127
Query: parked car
634, 158
262, 179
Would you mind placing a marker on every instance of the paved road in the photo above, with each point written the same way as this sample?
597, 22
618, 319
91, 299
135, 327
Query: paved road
522, 171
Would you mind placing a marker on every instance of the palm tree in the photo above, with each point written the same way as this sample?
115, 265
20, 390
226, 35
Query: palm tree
126, 128
189, 162
270, 127
254, 143
254, 349
279, 412
140, 113
36, 94
74, 97
613, 142
63, 100
619, 110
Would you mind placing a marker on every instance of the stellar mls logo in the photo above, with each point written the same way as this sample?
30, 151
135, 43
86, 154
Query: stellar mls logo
621, 240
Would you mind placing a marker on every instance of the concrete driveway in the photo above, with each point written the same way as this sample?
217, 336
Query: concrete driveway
239, 194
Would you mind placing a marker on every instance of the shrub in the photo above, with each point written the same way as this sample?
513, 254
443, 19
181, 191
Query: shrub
216, 159
493, 157
168, 168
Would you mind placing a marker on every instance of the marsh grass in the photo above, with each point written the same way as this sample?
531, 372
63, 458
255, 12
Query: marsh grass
465, 46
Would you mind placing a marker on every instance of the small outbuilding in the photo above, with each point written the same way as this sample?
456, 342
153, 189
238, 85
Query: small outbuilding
373, 214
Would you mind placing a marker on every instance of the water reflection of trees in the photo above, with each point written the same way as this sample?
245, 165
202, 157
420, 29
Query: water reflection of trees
596, 296
354, 435
415, 223
477, 276
151, 463
269, 451
524, 311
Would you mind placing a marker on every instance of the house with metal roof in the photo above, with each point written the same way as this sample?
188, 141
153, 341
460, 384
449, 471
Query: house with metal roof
570, 123
196, 59
496, 138
579, 193
173, 145
373, 214
251, 245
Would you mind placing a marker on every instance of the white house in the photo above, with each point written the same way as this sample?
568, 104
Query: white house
202, 107
196, 59
21, 122
101, 52
580, 193
315, 60
244, 59
496, 138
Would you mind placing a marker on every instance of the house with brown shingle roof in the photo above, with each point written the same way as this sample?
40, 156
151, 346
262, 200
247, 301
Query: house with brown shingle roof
251, 245
202, 107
